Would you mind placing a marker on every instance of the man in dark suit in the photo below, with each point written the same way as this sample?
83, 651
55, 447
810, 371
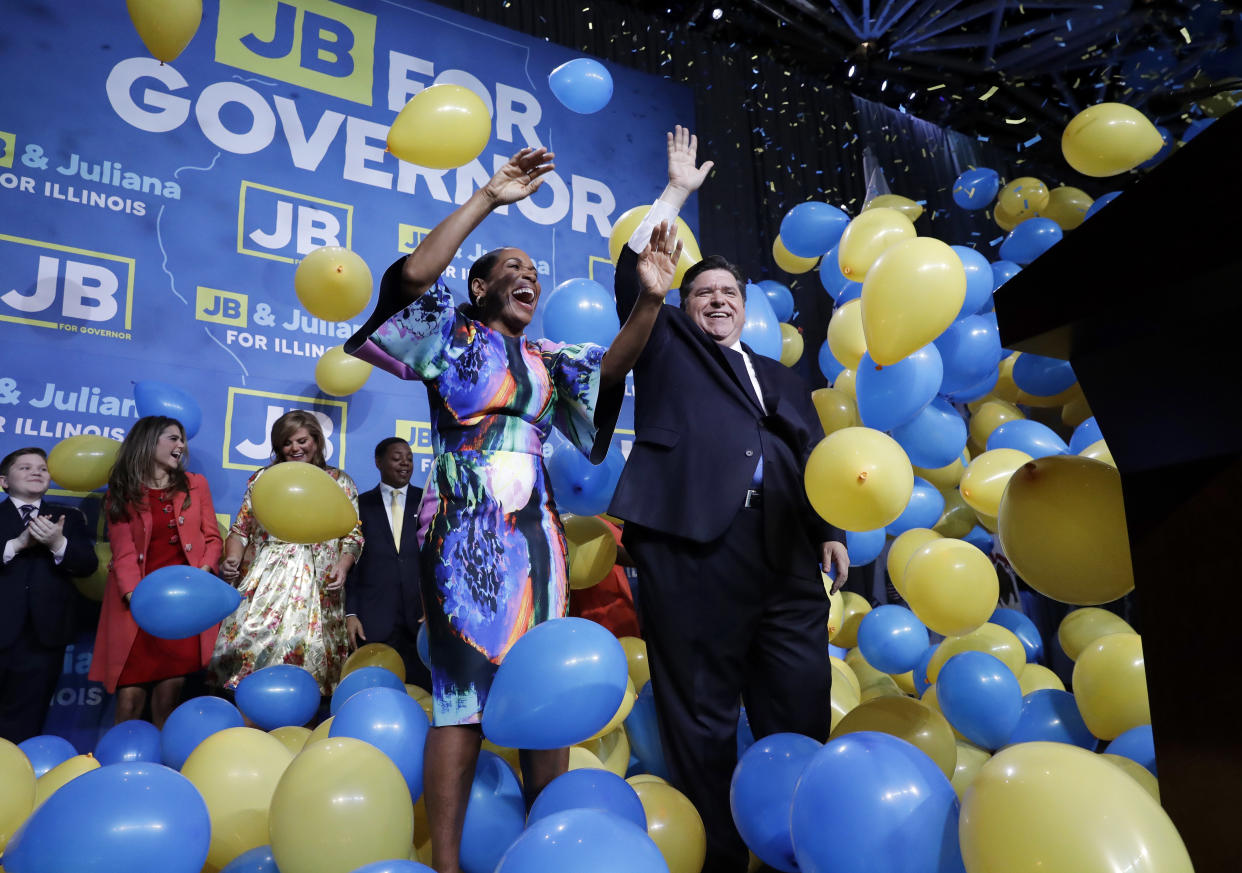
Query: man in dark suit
382, 599
46, 545
727, 546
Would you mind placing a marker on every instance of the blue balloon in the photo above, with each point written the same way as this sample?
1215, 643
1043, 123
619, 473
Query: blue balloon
892, 639
1002, 272
363, 678
583, 85
1037, 440
1030, 239
851, 291
828, 364
589, 789
578, 485
980, 697
979, 537
975, 189
761, 795
745, 736
888, 397
191, 723
1043, 377
864, 546
495, 814
935, 437
181, 601
893, 810
970, 350
128, 743
979, 280
830, 275
423, 645
980, 389
1023, 628
1051, 716
837, 651
580, 311
581, 840
780, 297
46, 751
810, 229
559, 683
762, 329
1100, 202
394, 723
257, 860
394, 866
1165, 150
643, 729
1084, 435
1138, 745
116, 819
921, 681
278, 696
160, 398
923, 509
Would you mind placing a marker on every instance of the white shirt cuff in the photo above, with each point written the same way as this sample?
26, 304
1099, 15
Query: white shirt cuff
10, 551
59, 554
660, 211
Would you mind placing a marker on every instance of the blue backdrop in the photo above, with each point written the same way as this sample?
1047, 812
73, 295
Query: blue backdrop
152, 215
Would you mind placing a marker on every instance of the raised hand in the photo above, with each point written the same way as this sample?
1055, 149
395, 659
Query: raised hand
658, 262
520, 177
682, 150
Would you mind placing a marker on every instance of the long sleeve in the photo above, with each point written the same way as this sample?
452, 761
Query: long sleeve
125, 566
213, 545
352, 542
80, 558
626, 285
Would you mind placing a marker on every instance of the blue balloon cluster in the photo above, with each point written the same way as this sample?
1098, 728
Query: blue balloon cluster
181, 601
583, 85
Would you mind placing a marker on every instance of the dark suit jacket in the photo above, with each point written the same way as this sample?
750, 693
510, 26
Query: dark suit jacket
699, 433
33, 587
384, 579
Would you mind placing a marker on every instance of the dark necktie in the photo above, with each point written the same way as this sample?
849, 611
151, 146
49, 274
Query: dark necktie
28, 513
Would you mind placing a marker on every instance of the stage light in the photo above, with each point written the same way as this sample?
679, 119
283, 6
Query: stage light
850, 72
884, 85
717, 14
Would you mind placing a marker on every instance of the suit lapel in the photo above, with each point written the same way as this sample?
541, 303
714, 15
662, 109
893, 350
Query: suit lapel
737, 366
769, 385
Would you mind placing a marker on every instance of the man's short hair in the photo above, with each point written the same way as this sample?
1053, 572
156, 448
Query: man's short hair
711, 262
381, 448
12, 457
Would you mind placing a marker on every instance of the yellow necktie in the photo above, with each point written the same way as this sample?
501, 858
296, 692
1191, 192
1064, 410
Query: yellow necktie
396, 518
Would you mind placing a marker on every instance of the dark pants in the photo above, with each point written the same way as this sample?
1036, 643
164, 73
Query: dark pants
720, 625
406, 644
29, 671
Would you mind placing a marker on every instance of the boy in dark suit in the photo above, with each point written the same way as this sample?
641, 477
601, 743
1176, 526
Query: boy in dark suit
46, 545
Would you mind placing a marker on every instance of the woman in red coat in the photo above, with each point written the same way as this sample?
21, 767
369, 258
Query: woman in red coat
158, 515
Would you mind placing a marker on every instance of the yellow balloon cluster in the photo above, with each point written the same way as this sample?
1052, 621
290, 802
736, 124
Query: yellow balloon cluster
592, 550
836, 409
441, 127
859, 479
375, 655
674, 825
788, 261
300, 503
951, 586
867, 237
791, 344
1110, 685
1108, 139
340, 374
83, 462
907, 719
629, 221
165, 26
911, 293
845, 335
333, 283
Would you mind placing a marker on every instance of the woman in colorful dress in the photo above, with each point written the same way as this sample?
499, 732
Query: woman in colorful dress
158, 515
294, 609
494, 561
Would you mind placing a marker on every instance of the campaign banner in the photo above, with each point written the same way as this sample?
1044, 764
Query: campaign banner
152, 214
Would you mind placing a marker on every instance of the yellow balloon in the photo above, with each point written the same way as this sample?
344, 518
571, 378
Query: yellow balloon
83, 462
300, 503
843, 671
1083, 626
845, 383
1098, 451
424, 700
872, 682
845, 335
340, 374
1005, 388
320, 732
623, 711
843, 699
791, 344
92, 586
165, 26
441, 127
1110, 685
985, 479
674, 826
1108, 139
1063, 527
1137, 772
236, 771
905, 681
640, 778
911, 209
611, 749
951, 586
970, 760
836, 606
853, 608
1000, 642
1075, 412
1040, 807
958, 518
909, 720
17, 790
867, 237
64, 772
581, 758
293, 737
912, 292
592, 550
945, 478
988, 521
1024, 194
333, 283
341, 804
1007, 220
1067, 206
900, 550
790, 262
859, 479
1037, 677
836, 409
636, 657
375, 655
629, 221
989, 417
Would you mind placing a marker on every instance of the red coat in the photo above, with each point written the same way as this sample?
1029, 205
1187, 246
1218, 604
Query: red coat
200, 544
